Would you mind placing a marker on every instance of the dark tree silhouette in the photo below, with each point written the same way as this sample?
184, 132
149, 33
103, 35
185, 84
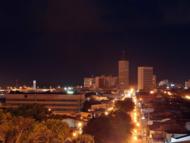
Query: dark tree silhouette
35, 111
114, 128
125, 106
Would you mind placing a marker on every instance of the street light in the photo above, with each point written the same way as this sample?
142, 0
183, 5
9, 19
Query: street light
135, 131
135, 138
106, 113
74, 134
80, 131
138, 124
80, 125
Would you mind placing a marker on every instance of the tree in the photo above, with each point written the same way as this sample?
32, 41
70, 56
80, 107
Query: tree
85, 139
114, 128
40, 134
14, 129
18, 129
7, 131
35, 111
22, 127
5, 116
122, 126
126, 106
60, 129
50, 131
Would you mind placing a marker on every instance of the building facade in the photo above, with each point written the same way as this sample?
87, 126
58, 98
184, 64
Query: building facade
57, 103
101, 82
145, 78
89, 82
123, 74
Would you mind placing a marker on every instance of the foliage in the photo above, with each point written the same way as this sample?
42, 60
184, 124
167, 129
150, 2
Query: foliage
40, 134
126, 106
14, 129
115, 128
22, 127
59, 129
35, 111
85, 139
18, 129
110, 129
29, 124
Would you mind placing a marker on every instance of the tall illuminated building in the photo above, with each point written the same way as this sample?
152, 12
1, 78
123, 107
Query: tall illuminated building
123, 72
145, 78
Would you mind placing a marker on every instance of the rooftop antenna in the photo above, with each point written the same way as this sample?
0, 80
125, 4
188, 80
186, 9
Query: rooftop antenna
124, 55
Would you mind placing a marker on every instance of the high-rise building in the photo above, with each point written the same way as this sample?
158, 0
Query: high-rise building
123, 73
145, 78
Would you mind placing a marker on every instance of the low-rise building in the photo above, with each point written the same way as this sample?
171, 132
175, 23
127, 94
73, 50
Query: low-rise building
177, 137
57, 103
89, 82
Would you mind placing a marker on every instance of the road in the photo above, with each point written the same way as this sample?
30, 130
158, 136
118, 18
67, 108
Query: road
139, 134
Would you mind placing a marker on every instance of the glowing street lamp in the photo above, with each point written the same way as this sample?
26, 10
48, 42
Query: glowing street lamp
106, 113
187, 97
151, 92
138, 124
80, 131
110, 109
135, 138
135, 131
80, 125
49, 110
75, 134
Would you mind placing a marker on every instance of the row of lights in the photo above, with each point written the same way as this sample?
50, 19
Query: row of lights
79, 130
135, 120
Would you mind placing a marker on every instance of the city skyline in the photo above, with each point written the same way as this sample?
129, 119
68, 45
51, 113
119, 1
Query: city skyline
37, 44
94, 71
55, 82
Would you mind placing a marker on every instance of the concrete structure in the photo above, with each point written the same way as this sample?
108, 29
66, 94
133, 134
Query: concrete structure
89, 82
111, 81
145, 78
57, 103
123, 74
101, 82
106, 82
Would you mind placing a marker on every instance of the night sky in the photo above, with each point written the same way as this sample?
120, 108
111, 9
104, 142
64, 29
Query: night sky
62, 41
